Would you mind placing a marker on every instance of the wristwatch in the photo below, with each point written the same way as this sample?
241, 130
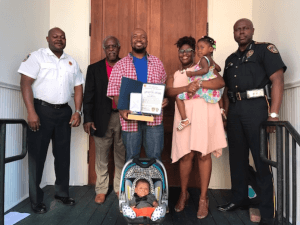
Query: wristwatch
273, 115
80, 113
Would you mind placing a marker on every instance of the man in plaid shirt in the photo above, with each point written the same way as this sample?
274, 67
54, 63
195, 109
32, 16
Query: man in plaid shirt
139, 65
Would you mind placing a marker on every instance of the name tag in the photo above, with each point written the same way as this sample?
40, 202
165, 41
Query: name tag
255, 93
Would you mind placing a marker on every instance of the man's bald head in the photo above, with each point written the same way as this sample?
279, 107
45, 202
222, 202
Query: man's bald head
138, 30
249, 22
139, 41
54, 29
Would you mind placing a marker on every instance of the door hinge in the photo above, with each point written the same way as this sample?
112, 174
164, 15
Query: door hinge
207, 28
90, 29
88, 156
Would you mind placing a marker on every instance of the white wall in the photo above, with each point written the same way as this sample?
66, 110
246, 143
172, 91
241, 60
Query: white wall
24, 26
278, 24
221, 17
73, 18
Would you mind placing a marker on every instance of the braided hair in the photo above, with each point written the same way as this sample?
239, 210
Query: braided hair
186, 40
208, 40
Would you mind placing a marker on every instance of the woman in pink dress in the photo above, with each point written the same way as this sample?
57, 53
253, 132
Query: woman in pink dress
203, 136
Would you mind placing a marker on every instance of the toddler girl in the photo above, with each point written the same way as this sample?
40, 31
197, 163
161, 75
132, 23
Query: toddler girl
203, 71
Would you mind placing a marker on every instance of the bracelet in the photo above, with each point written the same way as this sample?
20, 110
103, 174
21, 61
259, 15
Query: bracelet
222, 110
200, 83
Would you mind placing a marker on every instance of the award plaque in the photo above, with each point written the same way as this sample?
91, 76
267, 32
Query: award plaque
144, 100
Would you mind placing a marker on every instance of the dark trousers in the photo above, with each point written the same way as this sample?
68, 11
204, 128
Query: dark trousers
244, 119
55, 126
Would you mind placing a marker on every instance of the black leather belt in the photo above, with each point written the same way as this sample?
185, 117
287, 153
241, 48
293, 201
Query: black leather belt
114, 110
55, 106
250, 94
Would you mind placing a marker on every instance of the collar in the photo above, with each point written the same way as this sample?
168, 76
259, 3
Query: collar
249, 47
107, 64
49, 52
147, 56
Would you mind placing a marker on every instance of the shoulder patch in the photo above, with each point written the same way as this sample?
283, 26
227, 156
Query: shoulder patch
272, 48
26, 57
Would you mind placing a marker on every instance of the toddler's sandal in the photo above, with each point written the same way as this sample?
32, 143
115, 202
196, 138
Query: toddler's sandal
181, 125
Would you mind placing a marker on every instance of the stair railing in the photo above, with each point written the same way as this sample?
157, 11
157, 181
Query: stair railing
4, 160
289, 131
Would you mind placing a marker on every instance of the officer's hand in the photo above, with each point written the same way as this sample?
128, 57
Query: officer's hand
165, 102
87, 127
75, 120
193, 87
33, 121
124, 113
269, 128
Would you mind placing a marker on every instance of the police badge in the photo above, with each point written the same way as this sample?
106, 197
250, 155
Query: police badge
249, 53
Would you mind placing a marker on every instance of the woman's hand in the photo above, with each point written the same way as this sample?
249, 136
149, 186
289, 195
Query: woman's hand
188, 73
165, 103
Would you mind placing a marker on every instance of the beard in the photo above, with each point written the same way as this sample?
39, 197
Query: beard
140, 50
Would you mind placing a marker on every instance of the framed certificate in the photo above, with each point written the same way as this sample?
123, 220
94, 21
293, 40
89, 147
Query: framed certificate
152, 98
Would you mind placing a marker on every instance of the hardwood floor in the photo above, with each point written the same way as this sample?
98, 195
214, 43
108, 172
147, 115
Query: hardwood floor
87, 212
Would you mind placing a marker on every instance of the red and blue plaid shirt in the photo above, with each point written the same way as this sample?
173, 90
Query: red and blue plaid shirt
125, 68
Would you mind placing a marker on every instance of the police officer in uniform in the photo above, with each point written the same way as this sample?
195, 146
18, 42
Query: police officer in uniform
248, 102
48, 78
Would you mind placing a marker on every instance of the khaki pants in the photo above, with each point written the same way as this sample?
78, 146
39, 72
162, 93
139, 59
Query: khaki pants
102, 146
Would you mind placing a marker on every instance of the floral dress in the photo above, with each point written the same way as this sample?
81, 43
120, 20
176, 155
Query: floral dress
209, 95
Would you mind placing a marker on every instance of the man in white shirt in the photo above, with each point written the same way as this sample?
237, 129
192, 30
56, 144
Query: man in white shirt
48, 78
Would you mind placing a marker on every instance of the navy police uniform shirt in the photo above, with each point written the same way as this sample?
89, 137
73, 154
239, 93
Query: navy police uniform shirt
252, 68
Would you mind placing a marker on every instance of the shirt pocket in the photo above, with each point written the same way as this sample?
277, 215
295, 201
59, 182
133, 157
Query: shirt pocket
48, 71
71, 75
249, 72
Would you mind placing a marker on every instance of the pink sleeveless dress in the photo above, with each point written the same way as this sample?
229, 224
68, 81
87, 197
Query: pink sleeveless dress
205, 134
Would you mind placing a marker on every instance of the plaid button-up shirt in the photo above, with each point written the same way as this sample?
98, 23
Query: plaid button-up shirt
126, 68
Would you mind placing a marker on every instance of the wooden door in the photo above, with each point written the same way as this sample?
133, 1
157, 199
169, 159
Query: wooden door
165, 21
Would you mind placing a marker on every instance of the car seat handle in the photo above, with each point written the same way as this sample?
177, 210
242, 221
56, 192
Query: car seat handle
149, 162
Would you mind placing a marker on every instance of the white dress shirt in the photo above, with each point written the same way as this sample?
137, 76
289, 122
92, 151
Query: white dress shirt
55, 78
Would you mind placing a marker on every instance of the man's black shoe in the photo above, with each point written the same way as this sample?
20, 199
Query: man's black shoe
39, 208
231, 206
65, 200
267, 221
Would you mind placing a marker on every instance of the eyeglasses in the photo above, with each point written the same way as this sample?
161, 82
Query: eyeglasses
111, 46
181, 51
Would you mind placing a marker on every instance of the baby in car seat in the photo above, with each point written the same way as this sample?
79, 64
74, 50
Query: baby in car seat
143, 203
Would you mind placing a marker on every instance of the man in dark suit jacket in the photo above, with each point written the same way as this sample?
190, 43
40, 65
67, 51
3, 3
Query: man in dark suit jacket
101, 119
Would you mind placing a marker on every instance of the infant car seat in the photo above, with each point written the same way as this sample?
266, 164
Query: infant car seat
155, 173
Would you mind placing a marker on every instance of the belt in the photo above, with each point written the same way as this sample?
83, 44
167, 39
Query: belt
55, 106
114, 110
249, 94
